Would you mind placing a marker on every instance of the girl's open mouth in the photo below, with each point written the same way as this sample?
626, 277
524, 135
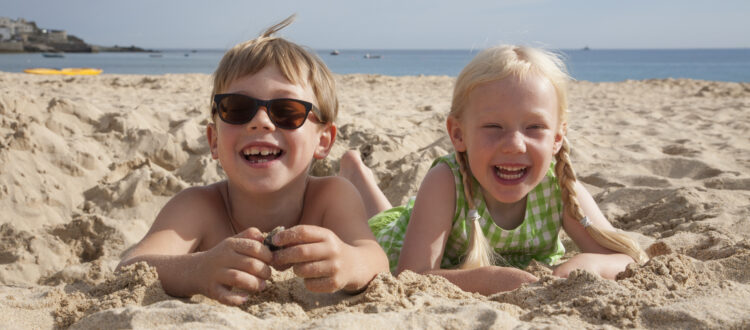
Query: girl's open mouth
510, 174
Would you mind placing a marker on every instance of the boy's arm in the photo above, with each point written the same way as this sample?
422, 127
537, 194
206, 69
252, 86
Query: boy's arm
594, 257
171, 243
342, 252
428, 231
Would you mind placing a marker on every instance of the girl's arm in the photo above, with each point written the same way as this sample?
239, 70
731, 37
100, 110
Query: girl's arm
428, 231
339, 253
594, 257
430, 222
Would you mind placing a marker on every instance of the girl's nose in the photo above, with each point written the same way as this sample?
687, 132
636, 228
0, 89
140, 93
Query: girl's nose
261, 120
513, 142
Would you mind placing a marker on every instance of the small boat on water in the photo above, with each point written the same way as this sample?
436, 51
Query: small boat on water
53, 55
335, 52
65, 71
372, 56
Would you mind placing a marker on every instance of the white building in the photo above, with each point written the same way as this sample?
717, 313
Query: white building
5, 33
15, 27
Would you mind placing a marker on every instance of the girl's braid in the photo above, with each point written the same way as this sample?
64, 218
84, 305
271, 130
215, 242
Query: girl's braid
479, 253
613, 240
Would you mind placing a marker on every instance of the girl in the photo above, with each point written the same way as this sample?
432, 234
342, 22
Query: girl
483, 213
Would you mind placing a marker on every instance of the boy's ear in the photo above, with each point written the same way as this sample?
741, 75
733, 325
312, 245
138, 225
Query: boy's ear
456, 133
325, 143
212, 140
559, 135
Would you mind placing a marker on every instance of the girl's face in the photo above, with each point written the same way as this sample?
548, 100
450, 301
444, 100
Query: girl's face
510, 130
257, 155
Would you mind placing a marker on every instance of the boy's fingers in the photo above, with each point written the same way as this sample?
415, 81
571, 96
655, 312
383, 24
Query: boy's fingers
229, 297
251, 233
315, 269
254, 267
302, 253
241, 280
252, 248
301, 234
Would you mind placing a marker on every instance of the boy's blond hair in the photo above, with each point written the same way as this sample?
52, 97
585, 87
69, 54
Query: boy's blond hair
297, 64
498, 63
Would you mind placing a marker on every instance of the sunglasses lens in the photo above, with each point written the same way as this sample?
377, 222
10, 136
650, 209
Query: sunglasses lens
237, 109
289, 114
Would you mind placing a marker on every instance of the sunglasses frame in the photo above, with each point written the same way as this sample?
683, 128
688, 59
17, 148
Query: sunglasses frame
266, 104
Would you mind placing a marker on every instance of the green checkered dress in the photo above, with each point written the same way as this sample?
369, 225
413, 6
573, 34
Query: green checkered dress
535, 238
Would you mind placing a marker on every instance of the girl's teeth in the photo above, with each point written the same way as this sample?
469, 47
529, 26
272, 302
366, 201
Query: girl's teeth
510, 173
509, 176
509, 168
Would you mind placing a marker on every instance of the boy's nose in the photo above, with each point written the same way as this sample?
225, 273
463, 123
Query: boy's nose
513, 142
261, 120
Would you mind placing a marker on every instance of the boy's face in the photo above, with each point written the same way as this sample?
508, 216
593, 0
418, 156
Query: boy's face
259, 156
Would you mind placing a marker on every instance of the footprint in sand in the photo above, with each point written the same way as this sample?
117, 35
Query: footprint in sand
679, 150
728, 183
678, 168
602, 180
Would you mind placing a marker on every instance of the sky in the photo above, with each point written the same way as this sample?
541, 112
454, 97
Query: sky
398, 24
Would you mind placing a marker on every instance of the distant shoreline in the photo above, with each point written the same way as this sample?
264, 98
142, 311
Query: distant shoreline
595, 65
26, 48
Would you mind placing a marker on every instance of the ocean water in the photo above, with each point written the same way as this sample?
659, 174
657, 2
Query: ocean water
591, 65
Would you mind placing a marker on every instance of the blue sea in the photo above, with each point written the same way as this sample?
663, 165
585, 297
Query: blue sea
592, 65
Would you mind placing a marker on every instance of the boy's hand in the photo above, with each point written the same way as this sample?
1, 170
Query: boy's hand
317, 255
240, 261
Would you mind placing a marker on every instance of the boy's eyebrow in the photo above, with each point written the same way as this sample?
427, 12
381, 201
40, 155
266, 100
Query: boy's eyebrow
281, 93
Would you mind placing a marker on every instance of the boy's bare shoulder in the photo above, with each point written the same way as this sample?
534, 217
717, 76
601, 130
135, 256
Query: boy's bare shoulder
201, 195
330, 184
323, 192
199, 202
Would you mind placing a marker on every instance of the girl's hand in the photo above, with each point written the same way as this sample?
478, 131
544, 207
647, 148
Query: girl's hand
606, 265
240, 261
317, 255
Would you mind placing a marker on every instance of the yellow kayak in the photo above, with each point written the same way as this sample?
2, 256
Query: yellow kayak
65, 71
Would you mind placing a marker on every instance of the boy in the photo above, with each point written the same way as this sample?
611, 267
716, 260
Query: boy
273, 107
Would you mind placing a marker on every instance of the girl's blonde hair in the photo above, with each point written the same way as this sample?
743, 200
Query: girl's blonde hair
498, 63
298, 65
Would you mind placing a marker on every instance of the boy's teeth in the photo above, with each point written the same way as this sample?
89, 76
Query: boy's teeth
260, 151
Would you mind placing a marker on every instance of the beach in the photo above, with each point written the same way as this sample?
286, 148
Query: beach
86, 163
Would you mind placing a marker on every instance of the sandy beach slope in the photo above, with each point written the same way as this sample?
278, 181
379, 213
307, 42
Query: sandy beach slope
87, 162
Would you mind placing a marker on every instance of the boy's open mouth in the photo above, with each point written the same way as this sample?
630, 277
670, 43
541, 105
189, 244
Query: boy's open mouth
510, 172
261, 154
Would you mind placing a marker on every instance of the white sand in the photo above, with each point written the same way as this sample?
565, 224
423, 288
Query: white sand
87, 162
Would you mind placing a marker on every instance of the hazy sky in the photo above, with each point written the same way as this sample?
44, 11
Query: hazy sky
399, 24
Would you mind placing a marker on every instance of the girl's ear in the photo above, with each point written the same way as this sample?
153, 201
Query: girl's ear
325, 143
456, 133
559, 135
211, 136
